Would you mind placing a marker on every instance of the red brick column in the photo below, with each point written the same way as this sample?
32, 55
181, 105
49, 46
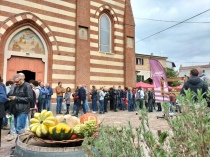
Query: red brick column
82, 56
129, 53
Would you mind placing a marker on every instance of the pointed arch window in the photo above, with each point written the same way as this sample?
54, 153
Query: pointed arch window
105, 33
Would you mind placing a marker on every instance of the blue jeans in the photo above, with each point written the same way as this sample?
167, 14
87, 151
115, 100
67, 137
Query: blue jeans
59, 104
101, 105
171, 106
94, 104
75, 106
20, 122
79, 105
5, 121
130, 105
87, 108
122, 106
44, 104
48, 102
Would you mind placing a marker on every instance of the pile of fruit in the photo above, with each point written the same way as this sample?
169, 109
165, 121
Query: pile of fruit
59, 128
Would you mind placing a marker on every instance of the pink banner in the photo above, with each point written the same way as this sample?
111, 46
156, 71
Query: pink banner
158, 72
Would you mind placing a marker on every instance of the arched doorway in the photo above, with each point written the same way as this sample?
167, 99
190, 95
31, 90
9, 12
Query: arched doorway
25, 65
26, 51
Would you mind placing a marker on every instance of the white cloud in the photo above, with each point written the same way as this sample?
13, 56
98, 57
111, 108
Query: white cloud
186, 44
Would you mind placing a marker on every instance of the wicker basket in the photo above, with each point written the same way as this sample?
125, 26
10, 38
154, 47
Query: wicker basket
49, 141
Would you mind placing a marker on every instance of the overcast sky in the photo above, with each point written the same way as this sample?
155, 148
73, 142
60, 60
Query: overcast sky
186, 44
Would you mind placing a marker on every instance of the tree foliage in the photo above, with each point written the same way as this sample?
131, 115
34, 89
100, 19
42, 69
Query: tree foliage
172, 73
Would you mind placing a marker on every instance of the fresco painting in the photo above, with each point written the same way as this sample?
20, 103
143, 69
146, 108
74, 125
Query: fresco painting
26, 41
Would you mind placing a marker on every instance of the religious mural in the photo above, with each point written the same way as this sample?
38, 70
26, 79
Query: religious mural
26, 41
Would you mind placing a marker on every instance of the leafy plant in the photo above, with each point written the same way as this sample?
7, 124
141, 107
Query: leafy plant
189, 135
170, 73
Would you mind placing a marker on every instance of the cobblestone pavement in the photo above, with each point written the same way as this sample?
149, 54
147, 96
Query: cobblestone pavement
111, 118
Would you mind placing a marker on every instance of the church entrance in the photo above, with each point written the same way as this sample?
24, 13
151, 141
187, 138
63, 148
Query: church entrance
33, 68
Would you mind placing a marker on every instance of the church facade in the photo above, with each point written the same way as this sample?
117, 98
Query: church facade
88, 42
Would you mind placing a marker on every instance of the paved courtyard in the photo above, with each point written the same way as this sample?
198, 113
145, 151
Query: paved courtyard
111, 118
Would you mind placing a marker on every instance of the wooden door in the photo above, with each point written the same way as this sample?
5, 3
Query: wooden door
15, 64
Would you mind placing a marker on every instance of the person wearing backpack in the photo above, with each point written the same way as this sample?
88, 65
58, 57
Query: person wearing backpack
44, 91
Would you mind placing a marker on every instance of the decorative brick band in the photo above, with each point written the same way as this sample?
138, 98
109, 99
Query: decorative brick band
106, 7
27, 15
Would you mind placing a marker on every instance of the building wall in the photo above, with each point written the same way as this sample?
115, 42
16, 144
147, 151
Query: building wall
74, 60
145, 68
186, 70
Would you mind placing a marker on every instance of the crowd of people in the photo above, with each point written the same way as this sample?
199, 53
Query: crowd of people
20, 99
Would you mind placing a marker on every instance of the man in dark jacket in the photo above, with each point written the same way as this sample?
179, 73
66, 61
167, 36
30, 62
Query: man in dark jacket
81, 100
194, 83
3, 99
115, 98
21, 98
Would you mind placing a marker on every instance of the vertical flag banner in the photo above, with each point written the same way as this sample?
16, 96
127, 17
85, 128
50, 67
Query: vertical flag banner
158, 73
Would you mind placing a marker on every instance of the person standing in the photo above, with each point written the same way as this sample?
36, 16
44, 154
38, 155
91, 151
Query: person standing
106, 99
101, 100
93, 94
75, 97
130, 99
45, 92
115, 98
59, 92
3, 99
49, 96
35, 87
134, 100
121, 96
81, 100
111, 98
87, 108
150, 101
194, 83
139, 99
67, 99
7, 105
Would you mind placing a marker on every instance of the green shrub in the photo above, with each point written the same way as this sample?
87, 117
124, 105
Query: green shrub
189, 135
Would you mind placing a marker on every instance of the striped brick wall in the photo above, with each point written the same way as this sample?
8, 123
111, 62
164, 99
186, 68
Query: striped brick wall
60, 20
107, 69
59, 16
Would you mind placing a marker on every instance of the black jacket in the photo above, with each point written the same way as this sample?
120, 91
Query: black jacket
24, 95
3, 92
193, 84
93, 94
82, 94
